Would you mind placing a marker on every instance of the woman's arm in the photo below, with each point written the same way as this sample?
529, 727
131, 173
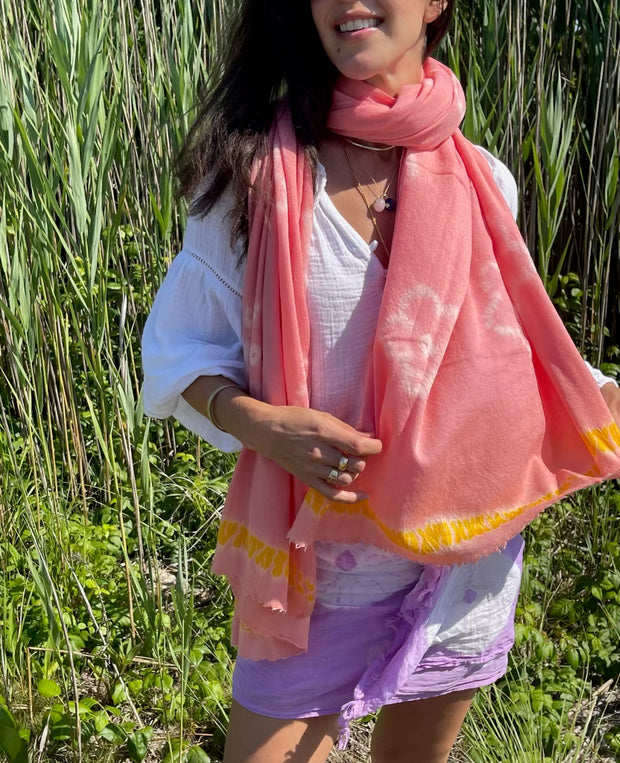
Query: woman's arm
306, 443
611, 393
192, 345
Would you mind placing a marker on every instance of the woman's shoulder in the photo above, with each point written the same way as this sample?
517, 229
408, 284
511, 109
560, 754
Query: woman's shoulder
505, 180
207, 241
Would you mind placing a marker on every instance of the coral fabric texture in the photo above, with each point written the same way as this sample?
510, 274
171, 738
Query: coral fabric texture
486, 411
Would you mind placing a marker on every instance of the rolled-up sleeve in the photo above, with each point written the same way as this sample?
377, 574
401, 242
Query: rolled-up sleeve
194, 329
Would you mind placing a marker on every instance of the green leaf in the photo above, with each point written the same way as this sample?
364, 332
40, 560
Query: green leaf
119, 694
113, 733
138, 744
76, 641
596, 592
6, 719
135, 686
101, 721
197, 755
62, 730
13, 745
48, 688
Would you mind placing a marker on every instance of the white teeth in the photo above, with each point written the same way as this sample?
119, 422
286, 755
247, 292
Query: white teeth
353, 26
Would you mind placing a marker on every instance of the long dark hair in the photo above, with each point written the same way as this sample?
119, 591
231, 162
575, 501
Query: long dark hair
272, 53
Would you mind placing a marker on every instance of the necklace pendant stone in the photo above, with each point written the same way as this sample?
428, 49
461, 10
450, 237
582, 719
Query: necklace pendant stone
380, 204
389, 204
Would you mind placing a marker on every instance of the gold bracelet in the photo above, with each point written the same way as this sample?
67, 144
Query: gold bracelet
209, 407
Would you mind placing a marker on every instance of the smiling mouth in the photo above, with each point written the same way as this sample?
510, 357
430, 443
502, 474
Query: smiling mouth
357, 24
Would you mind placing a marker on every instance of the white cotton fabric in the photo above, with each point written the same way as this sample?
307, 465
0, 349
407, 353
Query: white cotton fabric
195, 329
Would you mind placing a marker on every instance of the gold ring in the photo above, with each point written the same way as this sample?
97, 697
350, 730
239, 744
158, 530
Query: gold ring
343, 463
332, 477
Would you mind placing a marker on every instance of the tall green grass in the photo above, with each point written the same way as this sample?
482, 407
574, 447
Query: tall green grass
95, 100
107, 519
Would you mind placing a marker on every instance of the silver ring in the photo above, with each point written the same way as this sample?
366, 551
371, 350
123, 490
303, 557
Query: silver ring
343, 464
332, 477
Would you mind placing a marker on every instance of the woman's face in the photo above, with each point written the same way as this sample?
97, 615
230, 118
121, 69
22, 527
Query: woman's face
380, 41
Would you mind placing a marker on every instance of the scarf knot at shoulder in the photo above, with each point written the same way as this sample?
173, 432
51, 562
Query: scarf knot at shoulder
420, 118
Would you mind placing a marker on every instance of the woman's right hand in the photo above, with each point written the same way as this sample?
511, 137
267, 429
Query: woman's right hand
309, 445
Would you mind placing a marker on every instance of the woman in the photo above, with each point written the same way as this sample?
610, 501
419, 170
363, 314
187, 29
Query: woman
369, 328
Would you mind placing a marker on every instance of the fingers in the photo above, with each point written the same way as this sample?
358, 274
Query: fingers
341, 458
343, 496
356, 443
348, 463
337, 478
338, 492
320, 450
334, 458
344, 437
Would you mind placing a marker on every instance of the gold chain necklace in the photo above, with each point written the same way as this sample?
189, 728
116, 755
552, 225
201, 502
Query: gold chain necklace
360, 190
366, 146
382, 201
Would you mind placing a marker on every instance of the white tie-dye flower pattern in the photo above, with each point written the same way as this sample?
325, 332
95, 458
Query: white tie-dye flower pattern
415, 335
498, 314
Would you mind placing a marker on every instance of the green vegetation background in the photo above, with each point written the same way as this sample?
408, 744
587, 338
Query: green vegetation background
113, 634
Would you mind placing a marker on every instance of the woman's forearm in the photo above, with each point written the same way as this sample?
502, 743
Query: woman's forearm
307, 443
233, 409
611, 394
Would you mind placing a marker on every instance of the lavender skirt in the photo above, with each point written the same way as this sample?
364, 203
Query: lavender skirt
450, 629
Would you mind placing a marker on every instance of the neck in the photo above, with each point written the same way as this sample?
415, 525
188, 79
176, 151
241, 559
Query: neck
408, 71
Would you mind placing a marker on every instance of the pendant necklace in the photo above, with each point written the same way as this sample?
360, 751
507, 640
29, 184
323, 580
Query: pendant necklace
360, 190
383, 201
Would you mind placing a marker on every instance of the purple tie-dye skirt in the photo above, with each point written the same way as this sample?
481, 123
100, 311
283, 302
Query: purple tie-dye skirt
450, 629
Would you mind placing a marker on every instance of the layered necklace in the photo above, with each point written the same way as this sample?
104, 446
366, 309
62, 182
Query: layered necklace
384, 201
381, 202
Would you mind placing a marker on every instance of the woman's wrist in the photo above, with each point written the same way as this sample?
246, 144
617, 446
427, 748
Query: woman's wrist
230, 409
242, 416
211, 402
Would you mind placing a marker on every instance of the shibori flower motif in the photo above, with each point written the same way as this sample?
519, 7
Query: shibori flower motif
498, 314
517, 247
252, 314
416, 348
411, 166
255, 355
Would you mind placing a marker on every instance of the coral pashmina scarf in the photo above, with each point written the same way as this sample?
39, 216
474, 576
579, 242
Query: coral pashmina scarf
485, 408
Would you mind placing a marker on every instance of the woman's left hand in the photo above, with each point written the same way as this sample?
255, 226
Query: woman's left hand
611, 393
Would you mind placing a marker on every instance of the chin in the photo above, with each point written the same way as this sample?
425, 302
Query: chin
358, 70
